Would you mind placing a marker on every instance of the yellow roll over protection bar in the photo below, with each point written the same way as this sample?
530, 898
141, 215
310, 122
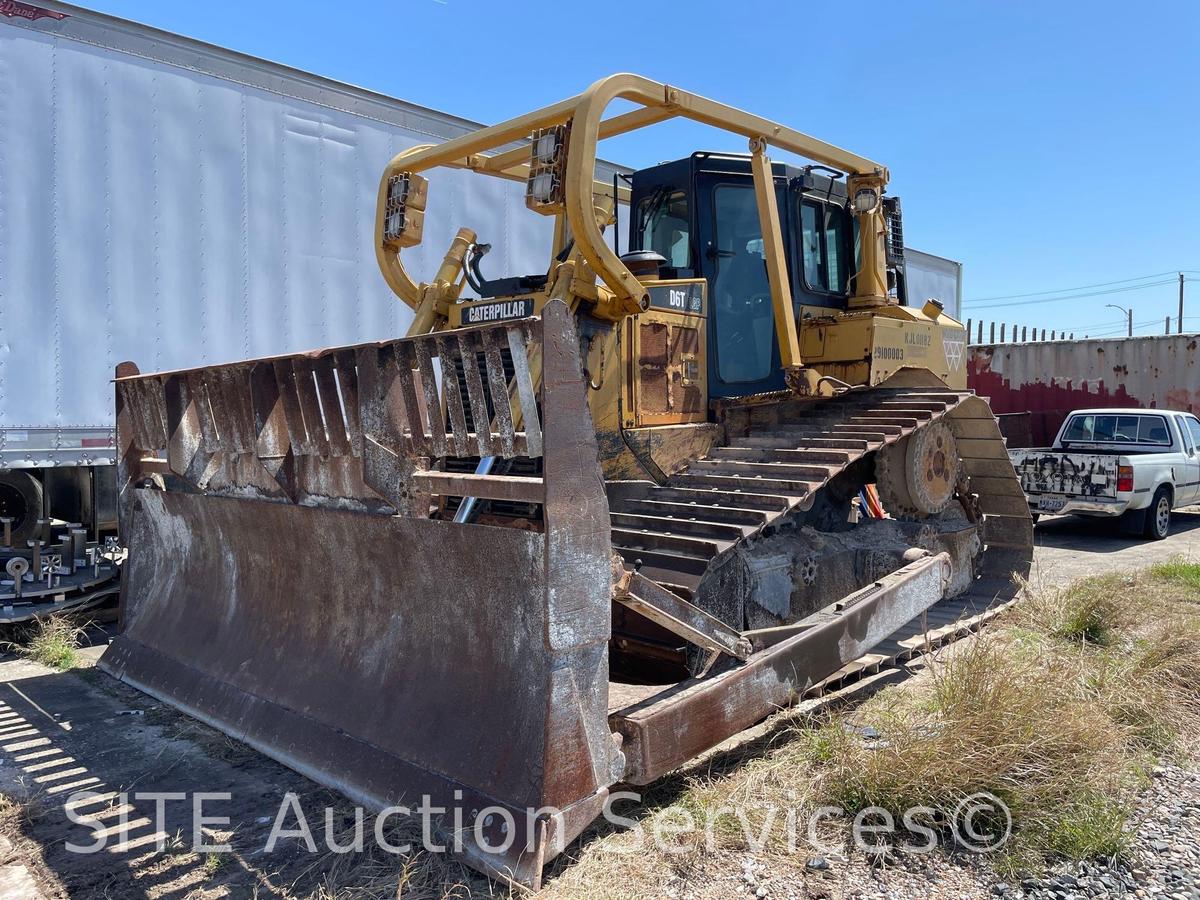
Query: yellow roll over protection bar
584, 115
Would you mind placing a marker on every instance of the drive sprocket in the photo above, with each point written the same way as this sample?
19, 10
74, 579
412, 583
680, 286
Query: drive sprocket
917, 476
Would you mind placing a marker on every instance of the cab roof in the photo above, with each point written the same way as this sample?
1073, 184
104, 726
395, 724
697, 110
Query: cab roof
1122, 411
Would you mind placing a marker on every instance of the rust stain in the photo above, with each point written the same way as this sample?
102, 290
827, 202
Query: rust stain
1045, 382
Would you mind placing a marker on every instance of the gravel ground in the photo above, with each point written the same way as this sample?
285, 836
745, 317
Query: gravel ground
1164, 862
1164, 856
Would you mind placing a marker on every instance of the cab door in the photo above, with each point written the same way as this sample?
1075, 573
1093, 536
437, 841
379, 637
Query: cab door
743, 351
1187, 490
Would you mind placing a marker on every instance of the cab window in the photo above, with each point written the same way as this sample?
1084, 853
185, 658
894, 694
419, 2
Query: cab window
1079, 428
1153, 430
1194, 427
823, 246
744, 318
665, 228
1114, 429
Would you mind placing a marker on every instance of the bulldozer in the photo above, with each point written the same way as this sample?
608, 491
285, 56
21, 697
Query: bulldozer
578, 526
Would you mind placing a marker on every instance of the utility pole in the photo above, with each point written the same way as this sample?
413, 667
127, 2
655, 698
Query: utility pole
1179, 324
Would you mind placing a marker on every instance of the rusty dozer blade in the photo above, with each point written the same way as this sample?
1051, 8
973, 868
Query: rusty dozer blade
287, 586
289, 582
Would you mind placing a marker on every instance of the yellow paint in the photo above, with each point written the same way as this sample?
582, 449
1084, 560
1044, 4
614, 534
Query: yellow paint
481, 151
867, 347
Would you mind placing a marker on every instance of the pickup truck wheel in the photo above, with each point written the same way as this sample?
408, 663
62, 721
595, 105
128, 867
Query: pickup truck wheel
1158, 516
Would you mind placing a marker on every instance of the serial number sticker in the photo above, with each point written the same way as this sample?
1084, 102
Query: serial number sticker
497, 312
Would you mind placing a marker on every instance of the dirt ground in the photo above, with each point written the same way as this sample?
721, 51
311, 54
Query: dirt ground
61, 733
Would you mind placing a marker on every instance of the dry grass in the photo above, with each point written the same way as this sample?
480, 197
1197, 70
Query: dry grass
377, 874
1059, 710
1013, 724
53, 641
22, 803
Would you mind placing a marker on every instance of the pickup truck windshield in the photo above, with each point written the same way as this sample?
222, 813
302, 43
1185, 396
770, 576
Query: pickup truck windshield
1112, 429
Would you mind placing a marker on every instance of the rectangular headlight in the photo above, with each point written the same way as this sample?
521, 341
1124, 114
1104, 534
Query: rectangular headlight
545, 148
545, 189
404, 212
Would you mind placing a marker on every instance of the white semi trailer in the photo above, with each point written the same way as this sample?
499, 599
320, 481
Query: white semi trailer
173, 203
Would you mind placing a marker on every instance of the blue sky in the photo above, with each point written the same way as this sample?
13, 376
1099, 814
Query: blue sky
1047, 146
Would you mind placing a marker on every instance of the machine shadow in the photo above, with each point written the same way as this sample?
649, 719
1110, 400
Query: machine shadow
67, 733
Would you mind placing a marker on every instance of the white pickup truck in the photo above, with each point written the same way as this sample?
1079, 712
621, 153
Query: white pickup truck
1138, 464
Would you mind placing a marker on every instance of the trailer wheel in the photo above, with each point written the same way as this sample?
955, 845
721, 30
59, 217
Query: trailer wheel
1158, 516
21, 500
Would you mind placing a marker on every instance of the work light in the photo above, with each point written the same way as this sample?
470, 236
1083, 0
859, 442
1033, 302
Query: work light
545, 190
865, 200
404, 213
545, 148
541, 187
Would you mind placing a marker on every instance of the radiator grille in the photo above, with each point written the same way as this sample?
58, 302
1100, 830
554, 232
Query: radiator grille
520, 466
894, 235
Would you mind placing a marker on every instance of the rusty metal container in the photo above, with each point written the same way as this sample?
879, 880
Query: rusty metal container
1049, 379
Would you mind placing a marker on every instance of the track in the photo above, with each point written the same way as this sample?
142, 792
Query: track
781, 462
945, 623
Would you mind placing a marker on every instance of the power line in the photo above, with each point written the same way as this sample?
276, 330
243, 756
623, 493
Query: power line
1116, 290
1080, 287
1113, 330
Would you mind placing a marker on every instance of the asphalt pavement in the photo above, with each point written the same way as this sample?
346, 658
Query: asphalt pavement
1072, 547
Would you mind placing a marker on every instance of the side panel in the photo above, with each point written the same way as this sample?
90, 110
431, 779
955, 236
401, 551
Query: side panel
862, 348
154, 212
669, 366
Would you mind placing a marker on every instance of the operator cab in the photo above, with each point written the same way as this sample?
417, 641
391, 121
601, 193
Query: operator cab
701, 215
